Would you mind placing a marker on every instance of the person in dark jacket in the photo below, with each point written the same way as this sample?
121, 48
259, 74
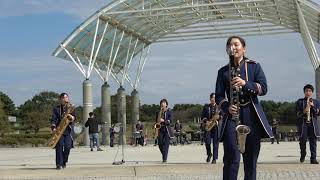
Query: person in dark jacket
139, 133
65, 143
275, 126
211, 136
178, 132
111, 131
307, 110
245, 79
165, 132
93, 125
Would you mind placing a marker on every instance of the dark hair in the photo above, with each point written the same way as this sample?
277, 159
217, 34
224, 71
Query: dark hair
308, 86
164, 100
212, 94
243, 42
62, 95
90, 114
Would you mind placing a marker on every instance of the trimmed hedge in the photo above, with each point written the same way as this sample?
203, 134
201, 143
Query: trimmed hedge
22, 139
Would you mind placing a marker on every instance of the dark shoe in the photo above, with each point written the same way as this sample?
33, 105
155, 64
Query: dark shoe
302, 159
99, 149
314, 162
64, 166
164, 161
208, 158
213, 161
91, 149
58, 167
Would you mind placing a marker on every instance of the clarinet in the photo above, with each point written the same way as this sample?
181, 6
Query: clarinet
234, 71
242, 130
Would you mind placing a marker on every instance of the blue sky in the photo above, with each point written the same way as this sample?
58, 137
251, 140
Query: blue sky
183, 72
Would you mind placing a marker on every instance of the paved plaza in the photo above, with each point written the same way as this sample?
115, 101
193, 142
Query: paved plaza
277, 161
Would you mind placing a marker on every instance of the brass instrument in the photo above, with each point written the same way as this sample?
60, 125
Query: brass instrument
157, 125
307, 111
67, 118
214, 120
242, 130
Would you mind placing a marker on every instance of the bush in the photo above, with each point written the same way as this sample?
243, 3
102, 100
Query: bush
22, 139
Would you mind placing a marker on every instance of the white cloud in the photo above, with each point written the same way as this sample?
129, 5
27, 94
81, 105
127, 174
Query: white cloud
80, 8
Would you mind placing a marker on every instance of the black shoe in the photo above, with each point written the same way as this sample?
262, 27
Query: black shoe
208, 158
164, 161
314, 162
91, 149
58, 167
64, 166
213, 161
302, 159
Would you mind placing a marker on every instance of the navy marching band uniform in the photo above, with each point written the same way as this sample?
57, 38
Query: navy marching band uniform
165, 134
178, 132
111, 131
251, 114
139, 128
66, 141
308, 130
212, 135
275, 125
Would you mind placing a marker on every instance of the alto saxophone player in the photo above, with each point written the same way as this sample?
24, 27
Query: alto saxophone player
66, 141
307, 110
251, 83
210, 110
165, 132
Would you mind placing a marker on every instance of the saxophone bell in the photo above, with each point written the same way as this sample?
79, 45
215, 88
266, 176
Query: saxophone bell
157, 126
242, 132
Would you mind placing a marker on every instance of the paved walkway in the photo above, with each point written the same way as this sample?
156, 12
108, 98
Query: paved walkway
184, 162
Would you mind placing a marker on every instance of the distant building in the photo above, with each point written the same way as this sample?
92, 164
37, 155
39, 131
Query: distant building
13, 122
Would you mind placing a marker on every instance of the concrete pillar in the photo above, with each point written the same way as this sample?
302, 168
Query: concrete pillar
121, 104
87, 107
105, 113
134, 111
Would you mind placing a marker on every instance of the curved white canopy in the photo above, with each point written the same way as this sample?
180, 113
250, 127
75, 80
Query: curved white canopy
108, 41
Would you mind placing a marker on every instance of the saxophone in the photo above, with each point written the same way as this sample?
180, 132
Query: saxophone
67, 118
242, 130
214, 120
307, 111
157, 125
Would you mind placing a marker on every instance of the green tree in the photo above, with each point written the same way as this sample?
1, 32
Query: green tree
36, 113
148, 112
8, 105
282, 111
79, 110
4, 124
287, 113
187, 112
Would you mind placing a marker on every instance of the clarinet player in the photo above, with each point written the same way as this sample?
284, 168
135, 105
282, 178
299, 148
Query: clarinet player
249, 83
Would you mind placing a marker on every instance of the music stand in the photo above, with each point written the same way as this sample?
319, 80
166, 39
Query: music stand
118, 128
